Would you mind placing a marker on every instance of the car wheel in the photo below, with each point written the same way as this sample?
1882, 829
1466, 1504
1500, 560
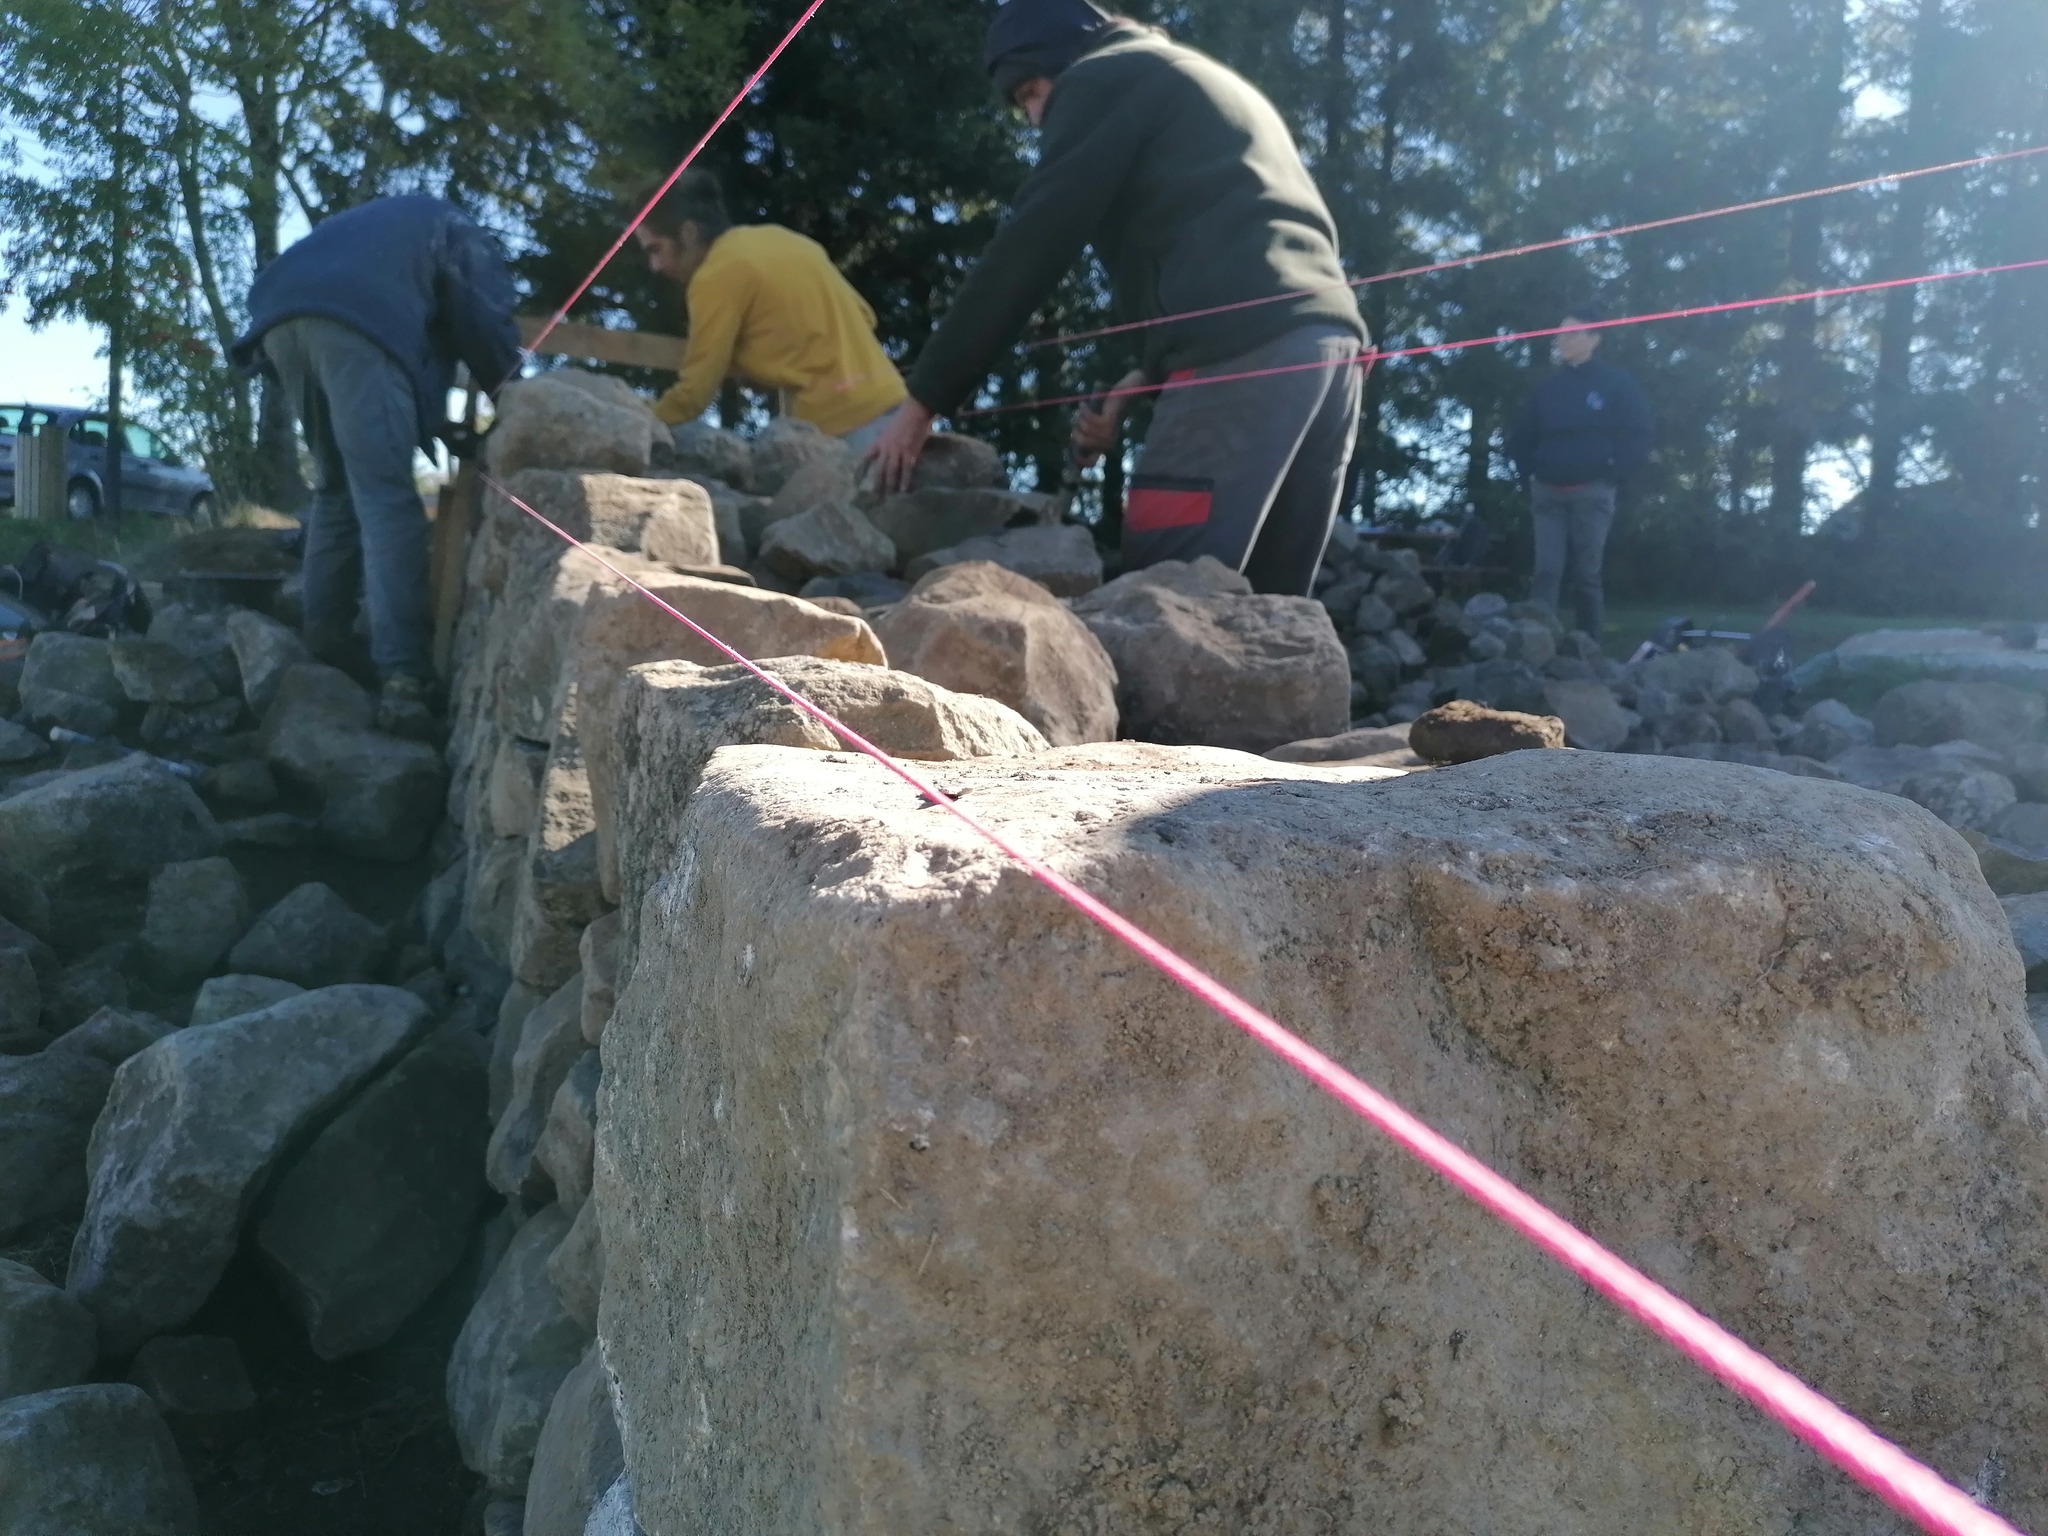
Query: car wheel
203, 514
81, 501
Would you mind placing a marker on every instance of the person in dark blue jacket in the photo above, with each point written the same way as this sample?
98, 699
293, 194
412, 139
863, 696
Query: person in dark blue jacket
1578, 438
363, 322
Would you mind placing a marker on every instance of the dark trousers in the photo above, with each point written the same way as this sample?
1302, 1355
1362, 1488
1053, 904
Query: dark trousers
366, 536
1251, 471
1572, 523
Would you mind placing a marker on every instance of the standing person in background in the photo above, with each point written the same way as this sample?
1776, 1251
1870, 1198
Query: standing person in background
1577, 439
1188, 185
363, 322
767, 307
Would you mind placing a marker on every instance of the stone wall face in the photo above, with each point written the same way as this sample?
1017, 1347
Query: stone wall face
926, 1208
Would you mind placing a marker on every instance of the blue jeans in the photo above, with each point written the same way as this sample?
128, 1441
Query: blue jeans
366, 536
1572, 524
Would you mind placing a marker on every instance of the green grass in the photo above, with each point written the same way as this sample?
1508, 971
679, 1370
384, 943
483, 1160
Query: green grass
103, 538
1813, 629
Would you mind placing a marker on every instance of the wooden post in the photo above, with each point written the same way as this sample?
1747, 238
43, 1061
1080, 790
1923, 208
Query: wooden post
454, 511
39, 473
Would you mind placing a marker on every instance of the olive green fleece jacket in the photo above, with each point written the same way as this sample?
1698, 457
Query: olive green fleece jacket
1187, 183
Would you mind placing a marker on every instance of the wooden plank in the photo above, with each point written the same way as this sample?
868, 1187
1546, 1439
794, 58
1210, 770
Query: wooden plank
594, 344
39, 465
453, 514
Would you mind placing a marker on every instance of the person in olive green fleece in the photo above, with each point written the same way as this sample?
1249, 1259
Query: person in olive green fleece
1189, 187
767, 306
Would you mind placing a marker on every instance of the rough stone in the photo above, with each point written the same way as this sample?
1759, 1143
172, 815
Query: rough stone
229, 997
2028, 916
380, 795
79, 991
576, 1268
196, 1375
47, 1340
560, 893
1592, 718
1201, 660
122, 818
152, 673
201, 636
1962, 796
248, 784
823, 482
27, 965
705, 449
578, 1456
979, 628
91, 1461
1884, 768
564, 1149
197, 909
18, 744
514, 1008
789, 445
549, 423
1062, 558
379, 1209
550, 1041
513, 794
1744, 724
311, 937
598, 950
865, 589
1711, 676
112, 1035
264, 651
69, 681
834, 539
1829, 729
614, 1514
511, 1357
1465, 732
951, 461
48, 1104
1927, 713
669, 520
193, 1129
924, 521
672, 716
986, 1100
1378, 746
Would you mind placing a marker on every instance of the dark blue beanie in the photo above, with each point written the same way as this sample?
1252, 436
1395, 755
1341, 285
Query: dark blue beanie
1038, 39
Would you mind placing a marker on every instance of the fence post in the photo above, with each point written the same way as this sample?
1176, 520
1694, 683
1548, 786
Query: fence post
39, 473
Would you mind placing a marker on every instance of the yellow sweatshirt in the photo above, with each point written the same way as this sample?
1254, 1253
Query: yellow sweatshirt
769, 307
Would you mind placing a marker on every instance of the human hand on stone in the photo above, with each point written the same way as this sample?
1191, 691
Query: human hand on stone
892, 461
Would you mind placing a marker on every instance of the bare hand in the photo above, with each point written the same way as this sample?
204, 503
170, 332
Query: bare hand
1097, 423
895, 454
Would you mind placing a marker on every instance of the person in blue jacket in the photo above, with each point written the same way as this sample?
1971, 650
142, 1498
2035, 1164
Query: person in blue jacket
1578, 438
363, 322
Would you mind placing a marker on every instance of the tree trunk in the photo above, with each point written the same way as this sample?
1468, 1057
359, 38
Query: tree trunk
1479, 454
277, 480
117, 311
1892, 406
1793, 425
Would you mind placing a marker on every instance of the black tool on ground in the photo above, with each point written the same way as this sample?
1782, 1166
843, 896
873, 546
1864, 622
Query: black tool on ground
58, 588
1768, 651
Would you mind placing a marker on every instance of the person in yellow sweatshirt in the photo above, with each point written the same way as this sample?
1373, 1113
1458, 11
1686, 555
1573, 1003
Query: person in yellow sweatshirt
768, 307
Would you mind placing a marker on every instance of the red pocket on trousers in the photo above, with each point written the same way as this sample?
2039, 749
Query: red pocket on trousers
1157, 504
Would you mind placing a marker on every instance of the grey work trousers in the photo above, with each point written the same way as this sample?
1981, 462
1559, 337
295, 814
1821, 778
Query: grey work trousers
1250, 471
1572, 523
366, 536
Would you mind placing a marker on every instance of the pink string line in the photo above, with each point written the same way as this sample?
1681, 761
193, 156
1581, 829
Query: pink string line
1905, 1484
527, 353
1455, 263
1368, 358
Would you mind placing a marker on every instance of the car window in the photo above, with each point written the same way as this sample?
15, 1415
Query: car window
91, 430
142, 442
10, 419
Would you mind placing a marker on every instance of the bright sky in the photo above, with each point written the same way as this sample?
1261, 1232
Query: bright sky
54, 366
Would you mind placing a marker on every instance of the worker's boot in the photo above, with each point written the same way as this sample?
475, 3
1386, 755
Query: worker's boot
405, 708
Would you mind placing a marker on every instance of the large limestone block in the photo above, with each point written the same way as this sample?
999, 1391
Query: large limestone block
191, 1132
788, 447
908, 1175
46, 1339
264, 650
91, 1461
834, 539
1203, 661
978, 628
621, 629
550, 1040
379, 1209
552, 423
672, 716
512, 1354
48, 1103
667, 520
1062, 558
125, 818
941, 517
564, 1150
578, 1456
196, 912
1930, 712
311, 938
